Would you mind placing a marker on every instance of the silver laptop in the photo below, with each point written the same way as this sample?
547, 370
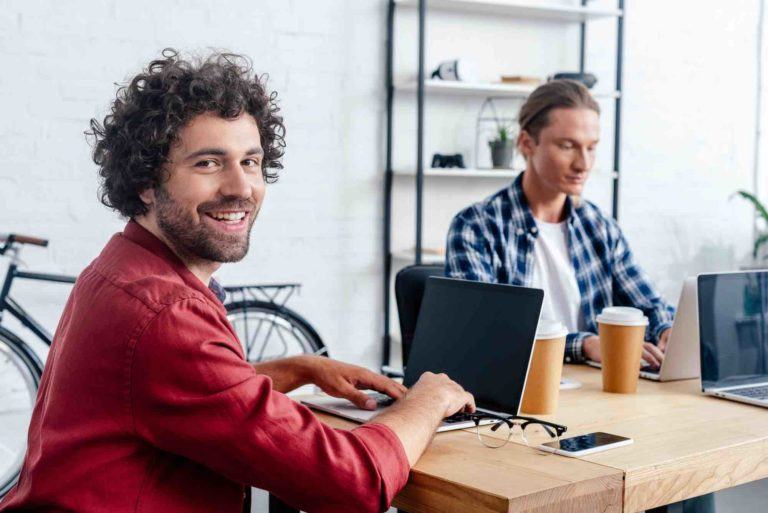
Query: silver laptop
681, 358
733, 321
479, 334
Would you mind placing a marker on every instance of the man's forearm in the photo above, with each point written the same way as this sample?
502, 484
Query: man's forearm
414, 422
287, 374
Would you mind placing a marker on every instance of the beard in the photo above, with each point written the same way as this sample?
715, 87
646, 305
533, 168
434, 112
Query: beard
193, 238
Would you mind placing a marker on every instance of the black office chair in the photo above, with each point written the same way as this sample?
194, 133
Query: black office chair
410, 283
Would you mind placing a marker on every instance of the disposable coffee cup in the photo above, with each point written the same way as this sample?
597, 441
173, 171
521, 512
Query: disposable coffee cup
622, 332
542, 387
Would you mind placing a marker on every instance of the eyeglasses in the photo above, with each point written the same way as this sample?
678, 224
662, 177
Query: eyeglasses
500, 429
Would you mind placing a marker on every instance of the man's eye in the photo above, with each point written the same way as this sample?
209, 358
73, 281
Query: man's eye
566, 146
207, 163
251, 162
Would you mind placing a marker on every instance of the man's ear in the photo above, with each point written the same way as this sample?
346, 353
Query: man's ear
148, 196
525, 143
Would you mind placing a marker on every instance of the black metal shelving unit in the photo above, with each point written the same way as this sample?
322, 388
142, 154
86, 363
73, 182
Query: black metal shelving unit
421, 7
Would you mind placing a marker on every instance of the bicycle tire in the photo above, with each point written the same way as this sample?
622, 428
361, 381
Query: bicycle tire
309, 340
14, 348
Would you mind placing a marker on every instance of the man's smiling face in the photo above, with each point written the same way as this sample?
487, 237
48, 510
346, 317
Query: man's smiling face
213, 188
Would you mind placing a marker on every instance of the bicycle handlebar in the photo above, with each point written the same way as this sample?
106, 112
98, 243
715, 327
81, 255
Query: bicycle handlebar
10, 238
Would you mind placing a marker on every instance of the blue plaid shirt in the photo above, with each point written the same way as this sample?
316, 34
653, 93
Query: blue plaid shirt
493, 241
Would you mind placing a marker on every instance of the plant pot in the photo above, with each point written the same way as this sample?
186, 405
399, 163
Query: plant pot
502, 153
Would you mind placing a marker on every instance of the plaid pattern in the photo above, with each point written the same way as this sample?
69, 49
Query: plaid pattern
493, 241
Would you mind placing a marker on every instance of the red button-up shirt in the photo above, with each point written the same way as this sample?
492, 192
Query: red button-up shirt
148, 405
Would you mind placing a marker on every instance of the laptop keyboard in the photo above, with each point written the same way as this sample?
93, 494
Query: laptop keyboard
383, 400
759, 392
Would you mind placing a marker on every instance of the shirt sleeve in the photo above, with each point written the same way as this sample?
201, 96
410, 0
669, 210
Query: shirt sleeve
632, 287
574, 346
193, 394
468, 254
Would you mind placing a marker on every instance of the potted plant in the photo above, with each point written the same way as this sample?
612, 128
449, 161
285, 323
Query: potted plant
762, 236
502, 148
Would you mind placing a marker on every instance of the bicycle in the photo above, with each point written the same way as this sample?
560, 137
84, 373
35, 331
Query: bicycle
266, 328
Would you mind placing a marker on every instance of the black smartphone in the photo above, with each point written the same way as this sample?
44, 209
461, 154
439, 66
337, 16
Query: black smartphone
585, 444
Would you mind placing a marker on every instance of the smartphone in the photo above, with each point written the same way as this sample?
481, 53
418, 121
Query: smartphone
585, 444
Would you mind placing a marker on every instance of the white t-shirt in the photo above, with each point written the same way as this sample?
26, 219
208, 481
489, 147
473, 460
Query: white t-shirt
553, 271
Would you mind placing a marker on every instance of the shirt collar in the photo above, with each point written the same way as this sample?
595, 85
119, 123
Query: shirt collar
138, 234
526, 223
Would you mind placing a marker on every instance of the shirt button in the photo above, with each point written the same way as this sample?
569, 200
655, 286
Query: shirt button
534, 229
520, 231
567, 359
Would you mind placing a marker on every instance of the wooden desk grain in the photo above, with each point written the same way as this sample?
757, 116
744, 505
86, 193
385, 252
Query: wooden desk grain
685, 444
458, 474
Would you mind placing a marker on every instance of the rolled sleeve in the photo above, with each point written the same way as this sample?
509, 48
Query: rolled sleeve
393, 462
633, 287
574, 347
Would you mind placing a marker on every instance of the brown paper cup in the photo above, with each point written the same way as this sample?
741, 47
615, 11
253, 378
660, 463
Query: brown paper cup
621, 348
542, 388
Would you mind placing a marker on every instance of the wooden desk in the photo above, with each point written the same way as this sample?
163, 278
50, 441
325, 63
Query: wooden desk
457, 474
685, 444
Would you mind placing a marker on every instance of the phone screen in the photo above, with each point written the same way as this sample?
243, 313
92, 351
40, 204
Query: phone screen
584, 442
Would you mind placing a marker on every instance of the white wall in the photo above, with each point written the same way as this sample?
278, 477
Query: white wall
688, 121
320, 224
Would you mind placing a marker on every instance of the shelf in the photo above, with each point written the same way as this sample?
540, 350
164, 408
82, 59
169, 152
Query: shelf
520, 9
462, 173
409, 255
484, 89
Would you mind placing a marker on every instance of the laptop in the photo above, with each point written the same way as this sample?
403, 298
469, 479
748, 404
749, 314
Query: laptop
733, 321
681, 358
479, 334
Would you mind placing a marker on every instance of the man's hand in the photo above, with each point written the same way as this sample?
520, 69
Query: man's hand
591, 348
652, 354
344, 380
439, 387
415, 418
664, 339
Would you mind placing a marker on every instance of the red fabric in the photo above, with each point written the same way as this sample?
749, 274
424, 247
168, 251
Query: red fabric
147, 404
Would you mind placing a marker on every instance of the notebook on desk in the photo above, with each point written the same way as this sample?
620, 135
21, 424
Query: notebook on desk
479, 334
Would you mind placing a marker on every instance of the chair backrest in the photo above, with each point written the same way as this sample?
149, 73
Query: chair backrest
410, 283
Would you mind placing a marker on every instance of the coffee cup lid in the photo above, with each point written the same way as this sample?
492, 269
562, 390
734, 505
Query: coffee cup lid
550, 328
622, 316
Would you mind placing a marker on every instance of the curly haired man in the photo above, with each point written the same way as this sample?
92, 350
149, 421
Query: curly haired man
147, 403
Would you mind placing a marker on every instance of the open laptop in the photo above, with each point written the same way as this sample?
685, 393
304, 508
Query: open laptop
681, 358
479, 334
733, 321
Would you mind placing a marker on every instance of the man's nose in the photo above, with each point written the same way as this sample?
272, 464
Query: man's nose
235, 183
583, 160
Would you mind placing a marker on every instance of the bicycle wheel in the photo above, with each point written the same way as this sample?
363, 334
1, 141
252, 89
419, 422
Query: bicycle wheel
19, 379
269, 331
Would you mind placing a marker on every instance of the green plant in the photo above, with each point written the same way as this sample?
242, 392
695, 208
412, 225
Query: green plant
761, 211
502, 135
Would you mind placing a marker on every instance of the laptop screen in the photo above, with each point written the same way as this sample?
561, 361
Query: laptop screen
732, 326
481, 335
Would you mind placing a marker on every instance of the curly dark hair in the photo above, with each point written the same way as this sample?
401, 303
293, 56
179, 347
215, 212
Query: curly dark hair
131, 145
